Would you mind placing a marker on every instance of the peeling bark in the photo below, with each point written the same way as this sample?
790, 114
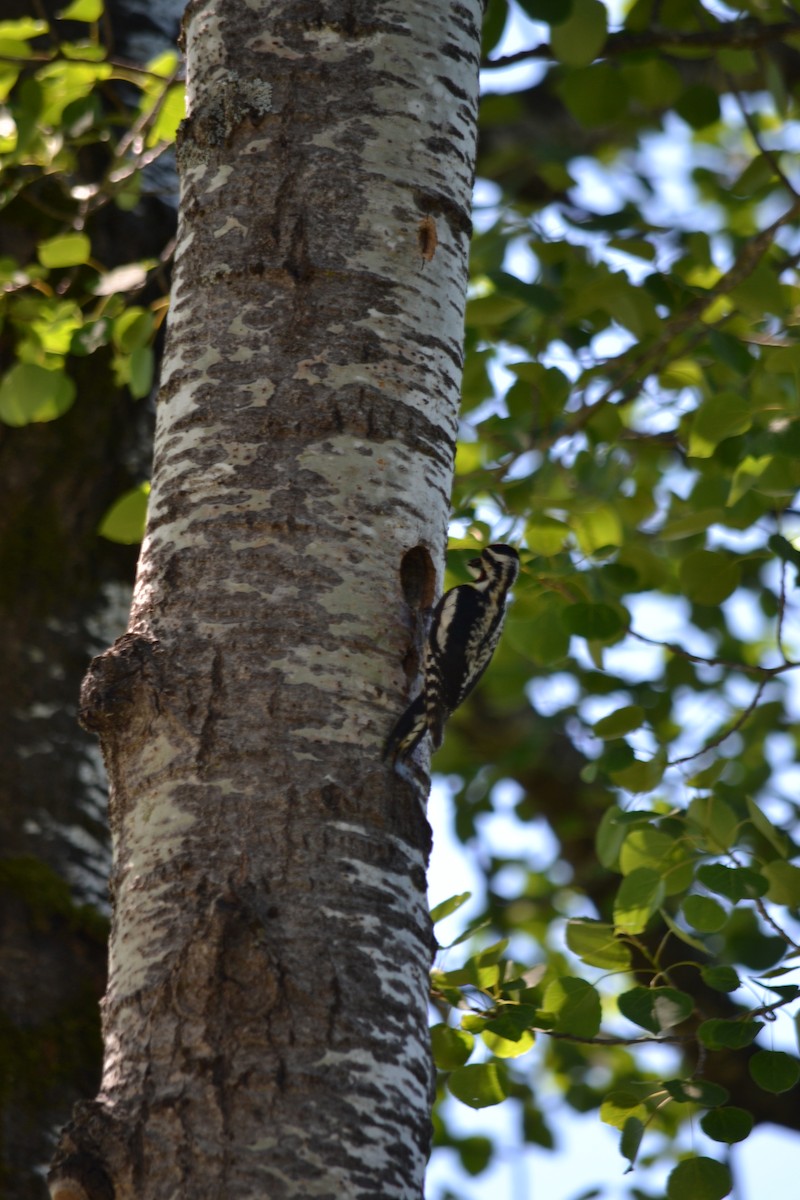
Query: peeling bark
265, 1020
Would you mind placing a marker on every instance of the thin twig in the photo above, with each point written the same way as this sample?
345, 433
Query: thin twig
765, 673
725, 734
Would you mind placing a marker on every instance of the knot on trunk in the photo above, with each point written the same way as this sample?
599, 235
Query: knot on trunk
79, 1170
116, 682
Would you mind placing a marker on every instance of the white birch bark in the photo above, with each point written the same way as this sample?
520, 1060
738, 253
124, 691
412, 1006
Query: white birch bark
265, 1019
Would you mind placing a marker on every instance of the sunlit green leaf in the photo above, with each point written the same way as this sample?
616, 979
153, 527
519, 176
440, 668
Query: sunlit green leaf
620, 1106
645, 846
66, 250
503, 1046
784, 882
169, 117
451, 1047
576, 1005
125, 520
30, 393
82, 10
596, 943
451, 905
478, 1085
719, 417
597, 529
639, 895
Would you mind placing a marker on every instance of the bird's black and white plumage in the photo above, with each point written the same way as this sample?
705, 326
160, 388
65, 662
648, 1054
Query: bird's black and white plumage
464, 631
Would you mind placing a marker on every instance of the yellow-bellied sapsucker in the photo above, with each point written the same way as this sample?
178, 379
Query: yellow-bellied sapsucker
464, 631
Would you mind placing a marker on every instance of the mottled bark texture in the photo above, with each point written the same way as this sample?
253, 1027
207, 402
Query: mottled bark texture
265, 1020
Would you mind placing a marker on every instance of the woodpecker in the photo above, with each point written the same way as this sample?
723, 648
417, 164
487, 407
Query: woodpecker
464, 631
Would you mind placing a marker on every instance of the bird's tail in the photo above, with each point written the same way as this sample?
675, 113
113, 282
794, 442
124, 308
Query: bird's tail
408, 732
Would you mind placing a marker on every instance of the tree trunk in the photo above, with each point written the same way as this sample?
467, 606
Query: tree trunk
265, 1020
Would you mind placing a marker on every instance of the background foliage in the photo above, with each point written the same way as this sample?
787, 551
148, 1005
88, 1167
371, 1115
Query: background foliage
631, 420
634, 301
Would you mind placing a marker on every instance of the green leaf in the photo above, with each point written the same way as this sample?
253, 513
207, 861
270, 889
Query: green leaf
142, 368
723, 416
708, 577
784, 882
717, 820
596, 622
621, 721
784, 549
545, 535
704, 914
655, 1009
134, 328
699, 1179
451, 1047
577, 41
721, 979
746, 475
505, 1041
682, 934
619, 1106
494, 20
594, 94
699, 107
488, 312
631, 1139
696, 1091
719, 1034
766, 828
82, 10
542, 635
66, 250
596, 944
446, 907
642, 775
596, 529
615, 825
125, 520
478, 1084
734, 883
475, 1153
550, 11
30, 393
661, 852
638, 897
576, 1005
654, 81
22, 29
90, 337
774, 1071
169, 116
729, 1124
